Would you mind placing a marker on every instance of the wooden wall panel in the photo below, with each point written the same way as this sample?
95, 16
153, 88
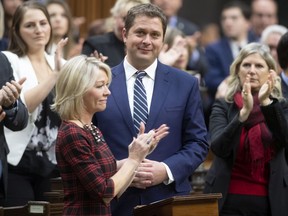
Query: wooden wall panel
91, 10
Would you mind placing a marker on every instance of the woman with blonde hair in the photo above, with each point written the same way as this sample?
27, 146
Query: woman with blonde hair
90, 174
248, 138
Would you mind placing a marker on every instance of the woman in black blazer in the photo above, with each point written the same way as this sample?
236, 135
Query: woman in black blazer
249, 134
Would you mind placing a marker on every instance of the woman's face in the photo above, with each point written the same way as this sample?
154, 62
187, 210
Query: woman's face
35, 29
95, 99
258, 69
58, 19
183, 59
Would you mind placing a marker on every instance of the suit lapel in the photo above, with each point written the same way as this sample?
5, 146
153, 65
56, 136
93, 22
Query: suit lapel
119, 93
160, 92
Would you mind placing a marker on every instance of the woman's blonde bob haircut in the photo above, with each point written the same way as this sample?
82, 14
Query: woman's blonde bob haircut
76, 76
234, 84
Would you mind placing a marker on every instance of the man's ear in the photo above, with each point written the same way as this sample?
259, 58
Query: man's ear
124, 35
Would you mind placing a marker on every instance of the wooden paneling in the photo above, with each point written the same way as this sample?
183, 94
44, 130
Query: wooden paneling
91, 10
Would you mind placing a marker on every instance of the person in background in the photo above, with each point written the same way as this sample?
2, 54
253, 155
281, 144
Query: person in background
90, 174
111, 44
248, 130
62, 27
176, 50
9, 7
13, 115
101, 26
271, 36
3, 41
235, 17
197, 61
282, 50
32, 150
263, 14
172, 97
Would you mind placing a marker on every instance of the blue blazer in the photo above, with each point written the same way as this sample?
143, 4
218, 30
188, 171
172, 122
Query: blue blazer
219, 56
175, 102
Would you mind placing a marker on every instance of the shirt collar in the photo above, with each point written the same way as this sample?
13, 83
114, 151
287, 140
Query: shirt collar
130, 70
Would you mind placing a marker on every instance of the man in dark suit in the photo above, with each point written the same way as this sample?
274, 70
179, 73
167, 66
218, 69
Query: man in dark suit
235, 17
173, 98
13, 115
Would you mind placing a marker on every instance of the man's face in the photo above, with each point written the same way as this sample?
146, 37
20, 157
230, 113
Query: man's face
264, 13
233, 23
143, 41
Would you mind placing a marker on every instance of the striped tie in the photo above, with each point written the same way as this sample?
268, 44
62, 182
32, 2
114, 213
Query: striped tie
140, 101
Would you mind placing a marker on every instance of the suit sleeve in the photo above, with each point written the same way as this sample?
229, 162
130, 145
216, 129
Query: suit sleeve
223, 131
20, 119
194, 147
276, 116
214, 75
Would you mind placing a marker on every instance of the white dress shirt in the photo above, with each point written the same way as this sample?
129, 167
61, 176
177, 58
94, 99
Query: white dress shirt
148, 82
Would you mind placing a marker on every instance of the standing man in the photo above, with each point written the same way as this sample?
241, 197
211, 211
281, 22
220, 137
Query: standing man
235, 24
171, 97
13, 115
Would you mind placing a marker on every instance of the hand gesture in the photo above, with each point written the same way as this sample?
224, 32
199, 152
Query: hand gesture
59, 53
99, 56
160, 133
247, 99
170, 56
140, 146
266, 89
11, 92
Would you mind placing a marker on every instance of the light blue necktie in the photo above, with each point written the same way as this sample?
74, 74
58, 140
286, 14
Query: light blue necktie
140, 101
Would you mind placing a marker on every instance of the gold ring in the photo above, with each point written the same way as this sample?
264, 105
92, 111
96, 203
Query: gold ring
244, 92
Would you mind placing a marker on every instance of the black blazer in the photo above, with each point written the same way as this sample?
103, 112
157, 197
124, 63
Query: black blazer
107, 44
225, 130
18, 122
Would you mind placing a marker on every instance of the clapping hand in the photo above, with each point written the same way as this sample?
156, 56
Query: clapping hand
247, 99
170, 56
160, 133
266, 89
10, 92
59, 53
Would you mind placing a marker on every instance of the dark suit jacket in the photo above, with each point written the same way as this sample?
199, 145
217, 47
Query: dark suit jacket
18, 122
225, 130
107, 44
284, 88
175, 102
219, 56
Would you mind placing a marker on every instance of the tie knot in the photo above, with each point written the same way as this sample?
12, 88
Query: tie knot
140, 74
